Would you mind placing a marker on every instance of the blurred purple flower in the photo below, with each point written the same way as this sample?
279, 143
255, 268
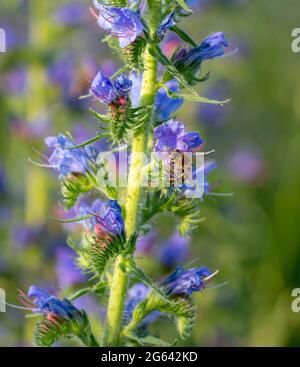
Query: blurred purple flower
215, 115
174, 251
16, 80
23, 235
62, 71
68, 274
246, 165
145, 244
71, 14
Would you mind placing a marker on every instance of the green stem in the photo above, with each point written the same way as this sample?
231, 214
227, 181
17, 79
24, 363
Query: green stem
134, 191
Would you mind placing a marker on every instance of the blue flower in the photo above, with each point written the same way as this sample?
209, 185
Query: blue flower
171, 136
108, 92
103, 89
183, 281
123, 85
165, 105
48, 304
123, 23
166, 24
107, 217
66, 160
213, 46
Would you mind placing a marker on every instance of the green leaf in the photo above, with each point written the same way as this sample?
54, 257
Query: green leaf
184, 36
196, 98
132, 268
90, 141
77, 219
172, 70
184, 6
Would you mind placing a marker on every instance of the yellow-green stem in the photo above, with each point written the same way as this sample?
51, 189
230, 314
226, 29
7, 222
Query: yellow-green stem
134, 190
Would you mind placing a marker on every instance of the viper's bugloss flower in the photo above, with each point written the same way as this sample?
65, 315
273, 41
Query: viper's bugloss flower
171, 136
165, 105
165, 25
107, 91
107, 217
213, 46
123, 85
123, 23
66, 160
103, 89
136, 294
41, 301
183, 281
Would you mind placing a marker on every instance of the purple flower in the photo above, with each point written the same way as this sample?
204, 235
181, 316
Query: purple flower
16, 80
171, 136
213, 46
66, 160
246, 165
41, 301
103, 89
62, 72
107, 217
165, 105
174, 251
123, 85
166, 24
67, 272
183, 281
23, 236
70, 14
123, 23
108, 92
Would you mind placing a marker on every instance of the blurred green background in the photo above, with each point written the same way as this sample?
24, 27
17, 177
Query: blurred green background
53, 51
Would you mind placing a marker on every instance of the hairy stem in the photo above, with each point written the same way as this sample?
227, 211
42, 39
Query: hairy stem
134, 192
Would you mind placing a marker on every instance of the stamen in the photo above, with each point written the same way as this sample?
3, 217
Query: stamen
211, 275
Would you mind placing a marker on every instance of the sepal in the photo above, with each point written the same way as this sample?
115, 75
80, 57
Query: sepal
75, 184
53, 328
